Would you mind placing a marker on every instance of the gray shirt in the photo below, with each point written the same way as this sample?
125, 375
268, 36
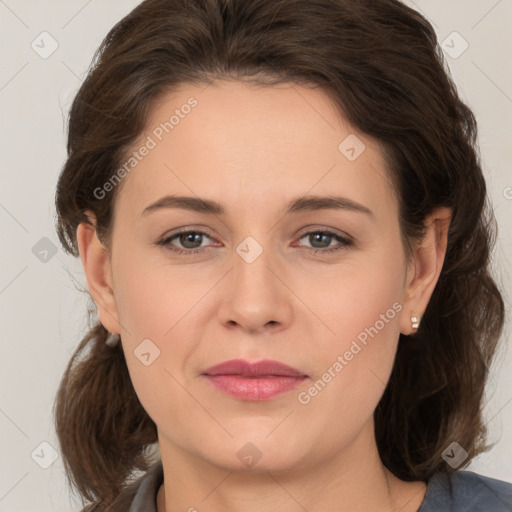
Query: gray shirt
463, 491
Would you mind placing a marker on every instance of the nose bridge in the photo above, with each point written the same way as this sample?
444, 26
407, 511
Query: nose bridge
254, 256
254, 295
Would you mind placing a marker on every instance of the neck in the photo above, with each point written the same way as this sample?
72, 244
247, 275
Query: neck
353, 479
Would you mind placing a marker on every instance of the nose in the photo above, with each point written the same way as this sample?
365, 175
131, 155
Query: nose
257, 294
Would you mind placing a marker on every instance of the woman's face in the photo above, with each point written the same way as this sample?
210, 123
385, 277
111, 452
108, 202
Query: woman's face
258, 290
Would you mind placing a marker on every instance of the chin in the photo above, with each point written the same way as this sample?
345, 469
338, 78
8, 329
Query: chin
257, 453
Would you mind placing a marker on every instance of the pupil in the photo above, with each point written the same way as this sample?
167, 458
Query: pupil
190, 237
317, 236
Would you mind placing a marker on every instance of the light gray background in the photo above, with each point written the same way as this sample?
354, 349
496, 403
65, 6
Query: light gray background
44, 316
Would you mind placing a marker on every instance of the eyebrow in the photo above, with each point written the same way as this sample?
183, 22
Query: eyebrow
300, 204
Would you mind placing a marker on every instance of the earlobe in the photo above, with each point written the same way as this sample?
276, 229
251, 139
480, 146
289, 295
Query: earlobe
97, 269
425, 267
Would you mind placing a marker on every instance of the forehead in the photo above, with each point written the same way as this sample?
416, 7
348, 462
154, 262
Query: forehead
234, 140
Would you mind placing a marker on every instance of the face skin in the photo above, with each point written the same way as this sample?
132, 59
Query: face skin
254, 150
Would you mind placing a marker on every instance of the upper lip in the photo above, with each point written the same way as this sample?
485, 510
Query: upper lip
244, 368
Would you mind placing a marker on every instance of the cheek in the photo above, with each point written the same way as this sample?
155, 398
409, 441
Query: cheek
361, 307
352, 296
156, 302
151, 295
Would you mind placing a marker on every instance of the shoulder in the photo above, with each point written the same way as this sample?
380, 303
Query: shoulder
147, 488
139, 496
466, 491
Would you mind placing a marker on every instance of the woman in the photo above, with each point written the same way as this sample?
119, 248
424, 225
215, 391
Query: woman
284, 228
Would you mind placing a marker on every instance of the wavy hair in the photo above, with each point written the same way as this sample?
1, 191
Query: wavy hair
380, 63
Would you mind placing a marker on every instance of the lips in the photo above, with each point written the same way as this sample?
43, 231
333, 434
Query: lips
258, 381
265, 368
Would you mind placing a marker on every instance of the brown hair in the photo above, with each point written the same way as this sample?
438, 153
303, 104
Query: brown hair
380, 62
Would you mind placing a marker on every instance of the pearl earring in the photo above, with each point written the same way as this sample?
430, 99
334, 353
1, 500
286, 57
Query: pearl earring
415, 321
112, 339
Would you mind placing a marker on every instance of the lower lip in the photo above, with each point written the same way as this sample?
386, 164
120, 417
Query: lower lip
254, 388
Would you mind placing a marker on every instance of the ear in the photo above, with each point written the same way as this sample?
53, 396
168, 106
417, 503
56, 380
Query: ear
98, 272
425, 267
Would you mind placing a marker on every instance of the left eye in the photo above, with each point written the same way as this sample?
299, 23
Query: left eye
319, 236
189, 241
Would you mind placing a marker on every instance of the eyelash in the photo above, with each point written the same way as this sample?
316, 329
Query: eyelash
344, 242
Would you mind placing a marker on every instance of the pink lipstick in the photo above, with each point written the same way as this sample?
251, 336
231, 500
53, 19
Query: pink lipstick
262, 380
